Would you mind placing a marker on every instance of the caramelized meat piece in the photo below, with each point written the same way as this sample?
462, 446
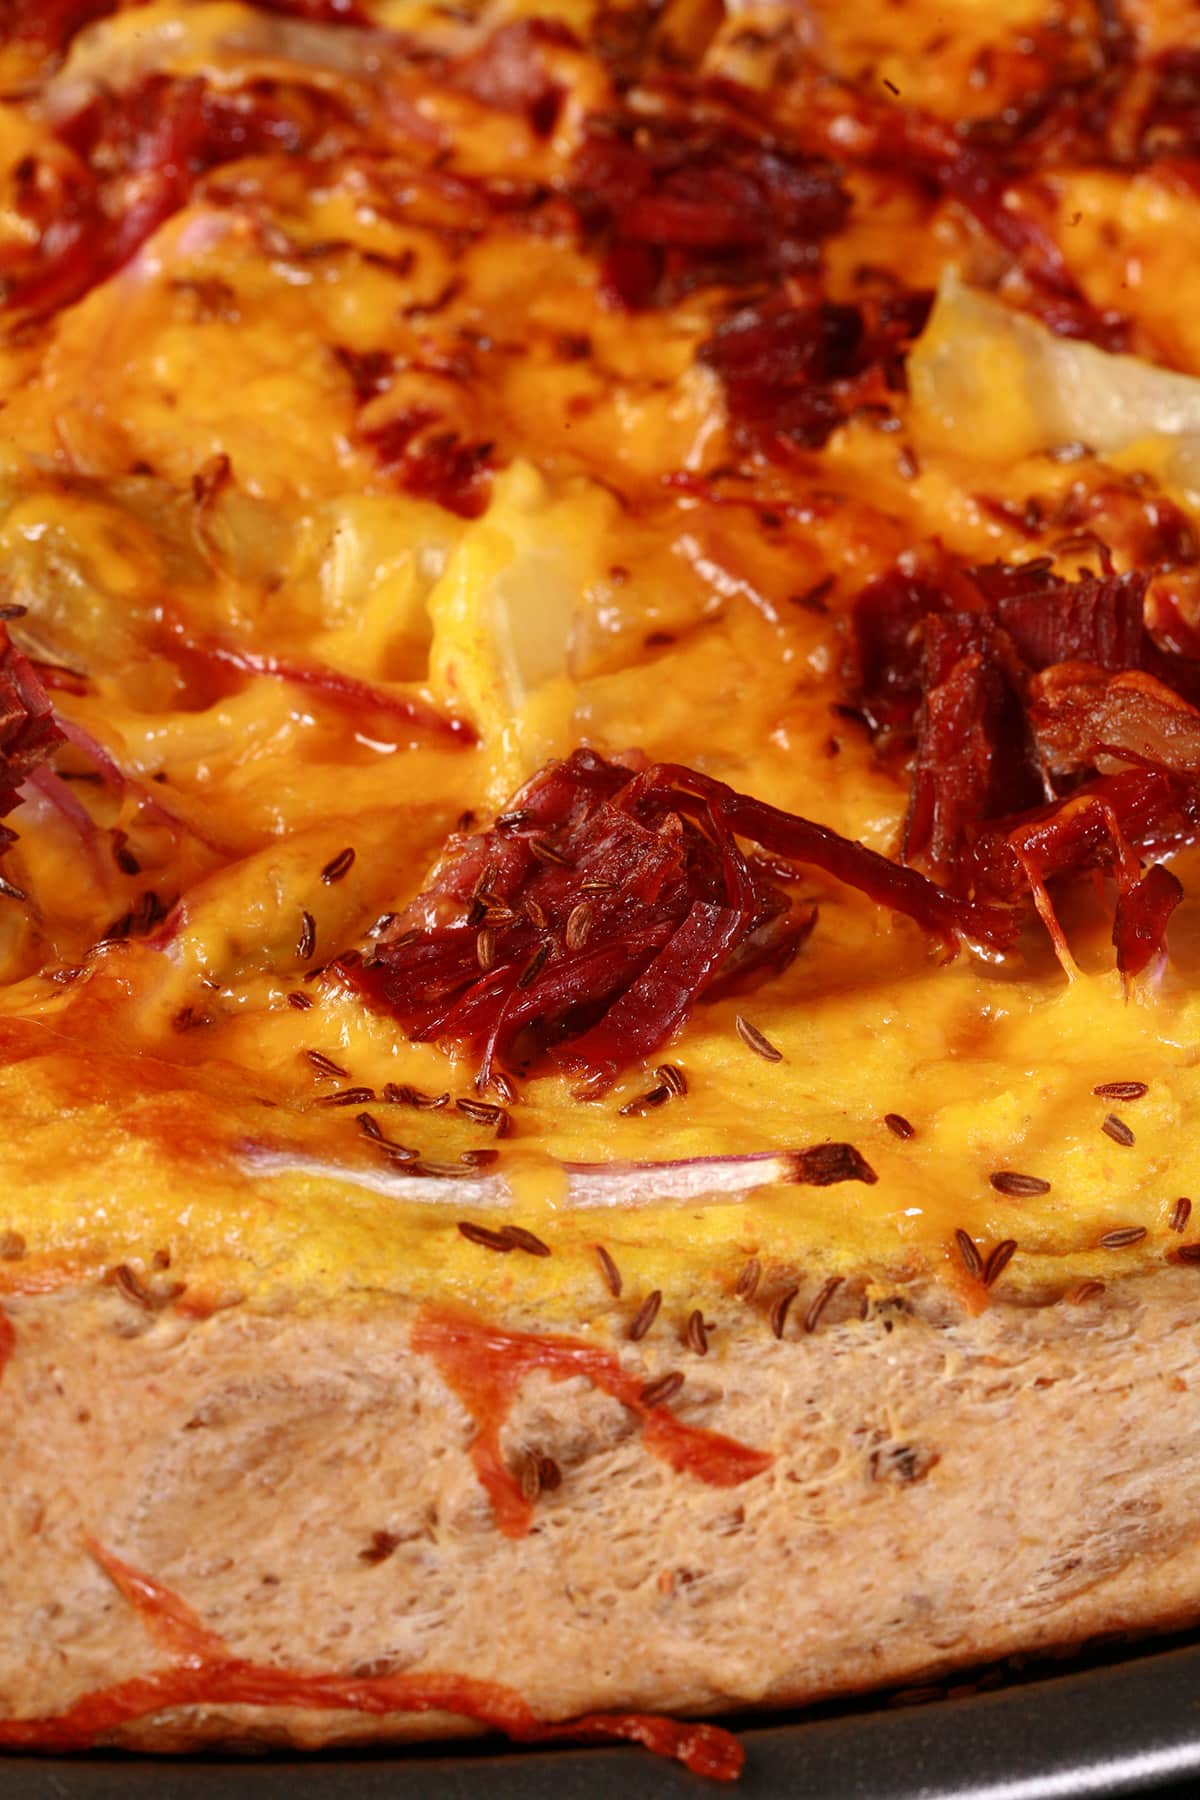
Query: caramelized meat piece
585, 924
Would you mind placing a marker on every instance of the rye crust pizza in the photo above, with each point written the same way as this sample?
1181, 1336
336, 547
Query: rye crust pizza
600, 753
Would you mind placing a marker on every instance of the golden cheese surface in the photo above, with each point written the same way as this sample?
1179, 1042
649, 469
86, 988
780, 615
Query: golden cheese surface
341, 492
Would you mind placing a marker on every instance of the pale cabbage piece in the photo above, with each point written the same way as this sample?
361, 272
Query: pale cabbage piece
220, 40
506, 613
990, 383
375, 559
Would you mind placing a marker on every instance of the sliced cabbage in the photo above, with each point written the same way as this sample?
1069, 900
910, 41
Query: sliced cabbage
506, 612
991, 383
222, 41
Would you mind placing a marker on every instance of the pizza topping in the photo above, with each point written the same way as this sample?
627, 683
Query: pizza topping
781, 1305
610, 1271
429, 459
206, 1673
792, 373
644, 1317
754, 1040
1117, 1130
1140, 920
1018, 1187
989, 382
1122, 1237
968, 1252
133, 159
748, 1280
1121, 1090
1013, 685
998, 1260
677, 202
676, 911
486, 1368
28, 733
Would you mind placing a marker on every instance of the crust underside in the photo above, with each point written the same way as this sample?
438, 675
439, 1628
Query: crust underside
945, 1490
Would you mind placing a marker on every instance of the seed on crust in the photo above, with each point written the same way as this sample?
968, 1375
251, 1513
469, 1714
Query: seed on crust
485, 948
754, 1040
302, 1002
645, 1316
1188, 1253
549, 1474
825, 1165
398, 1153
1122, 1237
306, 943
665, 1387
401, 1094
695, 1336
338, 865
579, 924
673, 1078
898, 1125
530, 1477
379, 1549
1087, 1290
972, 1262
998, 1260
352, 1096
1117, 1130
748, 1280
1181, 1212
533, 967
484, 1112
545, 852
130, 1283
609, 1270
812, 1317
656, 1096
1121, 1090
1017, 1186
323, 1064
485, 1238
520, 1239
780, 1307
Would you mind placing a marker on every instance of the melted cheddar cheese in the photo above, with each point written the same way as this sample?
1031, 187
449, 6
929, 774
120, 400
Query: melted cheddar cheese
280, 620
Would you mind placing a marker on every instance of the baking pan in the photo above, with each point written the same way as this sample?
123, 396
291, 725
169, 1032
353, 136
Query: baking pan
1131, 1727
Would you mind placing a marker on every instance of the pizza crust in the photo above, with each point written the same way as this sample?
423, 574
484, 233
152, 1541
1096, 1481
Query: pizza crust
945, 1489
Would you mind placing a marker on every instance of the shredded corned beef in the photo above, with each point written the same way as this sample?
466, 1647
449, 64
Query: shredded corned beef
675, 203
582, 928
1048, 733
792, 373
28, 733
138, 157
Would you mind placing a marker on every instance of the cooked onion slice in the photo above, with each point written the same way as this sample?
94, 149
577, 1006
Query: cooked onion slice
589, 1185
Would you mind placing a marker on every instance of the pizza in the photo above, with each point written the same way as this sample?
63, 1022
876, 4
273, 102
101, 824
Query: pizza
600, 761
